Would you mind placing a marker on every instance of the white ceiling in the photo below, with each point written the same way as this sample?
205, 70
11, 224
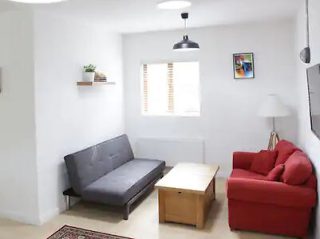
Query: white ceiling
128, 16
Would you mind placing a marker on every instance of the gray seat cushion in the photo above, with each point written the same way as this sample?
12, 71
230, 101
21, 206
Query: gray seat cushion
88, 165
123, 183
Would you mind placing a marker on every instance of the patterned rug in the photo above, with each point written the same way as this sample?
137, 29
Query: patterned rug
68, 232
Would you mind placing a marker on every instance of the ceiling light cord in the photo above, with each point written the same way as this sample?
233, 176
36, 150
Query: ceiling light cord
308, 26
185, 27
185, 16
186, 44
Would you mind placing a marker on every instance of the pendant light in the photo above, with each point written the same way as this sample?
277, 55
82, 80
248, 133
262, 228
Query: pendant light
186, 44
305, 54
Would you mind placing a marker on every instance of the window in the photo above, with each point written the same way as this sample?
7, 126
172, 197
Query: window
171, 89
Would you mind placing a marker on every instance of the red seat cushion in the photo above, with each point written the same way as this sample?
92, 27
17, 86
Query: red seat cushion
285, 149
242, 173
311, 182
266, 192
275, 173
264, 162
298, 169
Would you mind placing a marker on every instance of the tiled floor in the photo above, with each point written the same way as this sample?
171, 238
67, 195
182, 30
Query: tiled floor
142, 224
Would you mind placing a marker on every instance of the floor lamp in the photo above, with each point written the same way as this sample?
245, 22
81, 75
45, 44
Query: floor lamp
272, 107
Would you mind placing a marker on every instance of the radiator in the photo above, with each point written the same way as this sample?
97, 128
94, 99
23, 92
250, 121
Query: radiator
171, 150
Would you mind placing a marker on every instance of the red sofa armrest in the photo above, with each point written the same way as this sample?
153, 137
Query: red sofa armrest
243, 160
268, 192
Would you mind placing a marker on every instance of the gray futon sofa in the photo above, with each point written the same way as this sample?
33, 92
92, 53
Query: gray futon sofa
108, 173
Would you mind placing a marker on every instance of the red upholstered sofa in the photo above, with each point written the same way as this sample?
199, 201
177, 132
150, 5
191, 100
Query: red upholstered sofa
275, 202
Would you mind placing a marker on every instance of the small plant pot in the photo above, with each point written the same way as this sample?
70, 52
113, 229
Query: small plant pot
88, 76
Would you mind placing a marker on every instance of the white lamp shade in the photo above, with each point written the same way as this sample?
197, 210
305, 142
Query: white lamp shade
273, 107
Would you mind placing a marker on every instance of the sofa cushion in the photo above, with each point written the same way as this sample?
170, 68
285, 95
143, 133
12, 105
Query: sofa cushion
275, 173
311, 182
117, 151
243, 160
285, 149
264, 162
88, 165
266, 192
242, 173
120, 185
298, 169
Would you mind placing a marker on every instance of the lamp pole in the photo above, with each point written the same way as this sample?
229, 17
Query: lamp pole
274, 137
273, 108
274, 124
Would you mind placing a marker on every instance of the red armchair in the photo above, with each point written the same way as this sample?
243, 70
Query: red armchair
276, 207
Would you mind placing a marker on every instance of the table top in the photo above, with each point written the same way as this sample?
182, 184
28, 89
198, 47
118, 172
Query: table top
189, 177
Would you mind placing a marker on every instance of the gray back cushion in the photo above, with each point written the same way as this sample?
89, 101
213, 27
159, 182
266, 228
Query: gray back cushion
88, 165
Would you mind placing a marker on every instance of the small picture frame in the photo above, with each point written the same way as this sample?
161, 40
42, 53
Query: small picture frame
243, 66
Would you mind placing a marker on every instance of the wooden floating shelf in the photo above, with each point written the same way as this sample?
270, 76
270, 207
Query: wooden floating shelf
95, 83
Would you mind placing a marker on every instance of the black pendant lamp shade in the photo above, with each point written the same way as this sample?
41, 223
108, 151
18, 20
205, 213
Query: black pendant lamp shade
186, 44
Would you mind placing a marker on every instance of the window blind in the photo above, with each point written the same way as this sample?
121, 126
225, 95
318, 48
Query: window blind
170, 88
170, 82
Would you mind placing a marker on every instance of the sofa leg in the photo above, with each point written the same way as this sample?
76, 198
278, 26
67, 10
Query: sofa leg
126, 211
68, 202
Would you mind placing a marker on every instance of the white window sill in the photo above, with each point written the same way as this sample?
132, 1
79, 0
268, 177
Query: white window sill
191, 115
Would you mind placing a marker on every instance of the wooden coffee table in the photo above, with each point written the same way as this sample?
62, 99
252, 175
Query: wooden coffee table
186, 193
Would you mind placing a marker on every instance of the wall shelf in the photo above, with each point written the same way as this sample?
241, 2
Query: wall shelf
95, 83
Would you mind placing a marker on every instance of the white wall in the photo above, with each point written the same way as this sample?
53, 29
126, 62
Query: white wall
18, 177
307, 140
229, 120
71, 118
45, 116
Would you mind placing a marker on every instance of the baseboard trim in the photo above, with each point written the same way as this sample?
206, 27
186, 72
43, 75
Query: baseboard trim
19, 217
48, 215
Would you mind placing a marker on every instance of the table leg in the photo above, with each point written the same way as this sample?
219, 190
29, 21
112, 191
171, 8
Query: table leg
214, 188
200, 211
161, 201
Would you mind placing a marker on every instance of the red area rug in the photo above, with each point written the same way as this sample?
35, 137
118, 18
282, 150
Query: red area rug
68, 232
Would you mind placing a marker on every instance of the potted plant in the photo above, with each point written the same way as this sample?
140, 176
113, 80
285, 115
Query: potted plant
89, 73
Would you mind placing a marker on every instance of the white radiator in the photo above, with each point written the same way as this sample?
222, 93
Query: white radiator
171, 150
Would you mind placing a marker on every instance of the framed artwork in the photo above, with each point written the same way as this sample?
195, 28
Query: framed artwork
243, 66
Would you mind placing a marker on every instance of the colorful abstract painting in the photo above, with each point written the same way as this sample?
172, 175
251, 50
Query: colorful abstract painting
243, 66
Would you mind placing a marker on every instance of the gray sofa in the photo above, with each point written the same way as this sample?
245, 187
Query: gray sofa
108, 173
